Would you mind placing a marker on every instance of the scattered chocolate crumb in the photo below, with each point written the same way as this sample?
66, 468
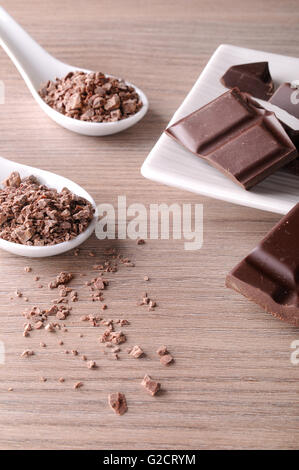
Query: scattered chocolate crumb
18, 293
118, 403
113, 337
74, 352
27, 269
78, 385
27, 353
84, 358
10, 389
166, 359
151, 385
50, 327
38, 325
61, 379
136, 352
43, 345
62, 279
162, 350
146, 278
27, 328
92, 365
140, 241
60, 343
43, 379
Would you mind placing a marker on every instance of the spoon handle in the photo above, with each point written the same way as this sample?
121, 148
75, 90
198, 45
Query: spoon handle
31, 60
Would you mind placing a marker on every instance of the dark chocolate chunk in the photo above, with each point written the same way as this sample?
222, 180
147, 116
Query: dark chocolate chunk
237, 136
287, 98
252, 78
292, 167
269, 276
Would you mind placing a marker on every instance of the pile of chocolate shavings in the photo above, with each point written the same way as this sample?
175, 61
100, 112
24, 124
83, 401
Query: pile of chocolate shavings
91, 97
33, 214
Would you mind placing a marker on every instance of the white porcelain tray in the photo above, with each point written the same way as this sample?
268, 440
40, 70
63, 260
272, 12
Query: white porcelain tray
171, 164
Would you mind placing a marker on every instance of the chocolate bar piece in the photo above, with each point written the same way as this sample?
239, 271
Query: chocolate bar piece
269, 276
237, 136
252, 78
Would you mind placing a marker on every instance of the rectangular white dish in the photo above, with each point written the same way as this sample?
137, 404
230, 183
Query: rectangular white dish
169, 163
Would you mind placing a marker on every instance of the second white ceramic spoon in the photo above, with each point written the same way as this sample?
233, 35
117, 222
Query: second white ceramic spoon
52, 181
37, 66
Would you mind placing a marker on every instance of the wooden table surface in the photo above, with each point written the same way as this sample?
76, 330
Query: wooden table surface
232, 384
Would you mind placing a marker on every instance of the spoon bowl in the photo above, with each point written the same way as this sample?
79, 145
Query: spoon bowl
37, 66
53, 181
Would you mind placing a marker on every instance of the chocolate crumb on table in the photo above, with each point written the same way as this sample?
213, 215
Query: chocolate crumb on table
165, 357
27, 353
136, 352
91, 97
162, 350
92, 365
118, 403
62, 279
35, 215
151, 385
78, 385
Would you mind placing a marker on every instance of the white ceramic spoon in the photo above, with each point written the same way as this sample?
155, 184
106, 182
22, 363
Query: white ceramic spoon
37, 66
53, 181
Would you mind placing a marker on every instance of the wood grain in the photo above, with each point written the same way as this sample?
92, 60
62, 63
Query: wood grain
232, 385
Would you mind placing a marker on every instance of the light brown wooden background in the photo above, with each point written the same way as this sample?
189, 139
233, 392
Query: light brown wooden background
232, 385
